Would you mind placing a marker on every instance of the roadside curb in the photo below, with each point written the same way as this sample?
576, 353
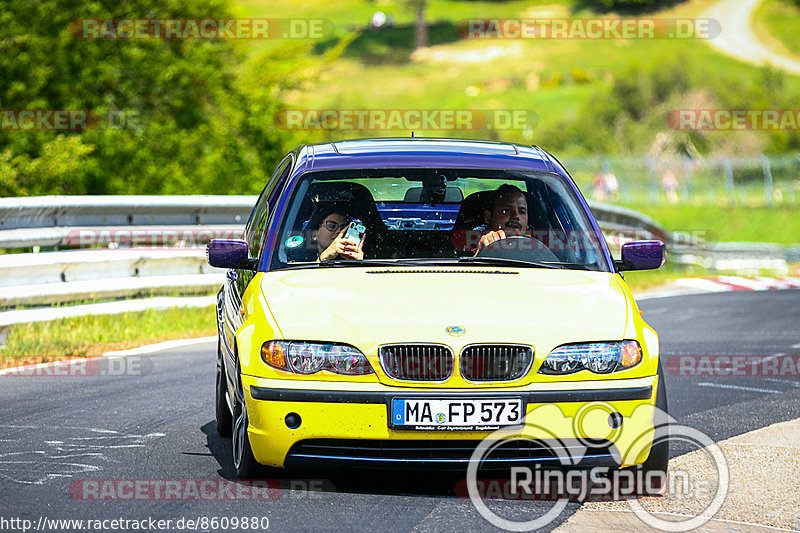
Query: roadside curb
706, 285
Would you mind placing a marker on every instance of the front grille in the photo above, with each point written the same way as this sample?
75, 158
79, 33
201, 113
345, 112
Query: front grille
417, 362
495, 362
417, 453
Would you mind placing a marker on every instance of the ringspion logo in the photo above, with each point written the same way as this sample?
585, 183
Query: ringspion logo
587, 28
200, 28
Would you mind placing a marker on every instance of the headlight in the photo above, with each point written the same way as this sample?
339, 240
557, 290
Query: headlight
597, 357
309, 358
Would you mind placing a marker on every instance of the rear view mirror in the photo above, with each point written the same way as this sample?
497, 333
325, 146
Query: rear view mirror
642, 255
228, 253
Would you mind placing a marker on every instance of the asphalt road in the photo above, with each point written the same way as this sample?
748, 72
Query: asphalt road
738, 39
153, 420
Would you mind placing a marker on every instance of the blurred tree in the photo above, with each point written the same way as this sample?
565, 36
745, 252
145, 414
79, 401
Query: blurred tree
172, 117
421, 33
629, 116
626, 4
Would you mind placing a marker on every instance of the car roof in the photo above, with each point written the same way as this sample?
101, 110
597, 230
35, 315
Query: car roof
426, 152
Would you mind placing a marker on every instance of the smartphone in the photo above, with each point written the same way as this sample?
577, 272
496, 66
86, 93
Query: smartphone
355, 232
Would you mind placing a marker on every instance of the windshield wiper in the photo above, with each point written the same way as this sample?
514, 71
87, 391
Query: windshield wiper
508, 262
357, 262
410, 261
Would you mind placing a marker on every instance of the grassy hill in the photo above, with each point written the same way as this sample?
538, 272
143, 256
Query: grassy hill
557, 79
777, 22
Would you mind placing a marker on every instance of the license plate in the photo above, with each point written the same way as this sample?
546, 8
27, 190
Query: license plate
455, 414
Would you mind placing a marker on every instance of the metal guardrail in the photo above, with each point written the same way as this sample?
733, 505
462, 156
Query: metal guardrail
64, 220
48, 278
53, 211
95, 272
612, 217
71, 220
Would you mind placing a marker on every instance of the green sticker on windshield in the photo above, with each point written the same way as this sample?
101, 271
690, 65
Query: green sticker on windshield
294, 241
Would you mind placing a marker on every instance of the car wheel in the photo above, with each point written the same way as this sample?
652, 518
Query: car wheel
657, 462
223, 412
244, 463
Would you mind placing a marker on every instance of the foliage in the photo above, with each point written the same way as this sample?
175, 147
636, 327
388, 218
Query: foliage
172, 116
779, 225
628, 117
626, 5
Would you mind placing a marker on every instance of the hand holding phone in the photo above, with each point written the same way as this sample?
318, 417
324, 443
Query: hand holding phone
355, 232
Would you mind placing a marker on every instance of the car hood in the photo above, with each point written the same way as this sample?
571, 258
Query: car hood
366, 307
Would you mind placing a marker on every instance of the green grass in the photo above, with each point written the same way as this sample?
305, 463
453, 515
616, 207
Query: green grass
95, 335
779, 20
725, 224
553, 78
641, 280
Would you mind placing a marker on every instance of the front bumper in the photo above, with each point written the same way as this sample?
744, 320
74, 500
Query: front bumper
346, 424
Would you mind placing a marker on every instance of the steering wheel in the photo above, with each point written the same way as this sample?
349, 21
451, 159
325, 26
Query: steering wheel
519, 247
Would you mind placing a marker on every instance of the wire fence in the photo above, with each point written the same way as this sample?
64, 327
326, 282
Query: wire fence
766, 180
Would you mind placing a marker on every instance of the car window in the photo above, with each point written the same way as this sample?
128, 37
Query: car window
258, 219
438, 215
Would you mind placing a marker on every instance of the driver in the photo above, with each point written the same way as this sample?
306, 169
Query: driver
326, 229
508, 216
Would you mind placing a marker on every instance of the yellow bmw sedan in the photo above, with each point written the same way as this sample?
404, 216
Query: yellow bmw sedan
393, 302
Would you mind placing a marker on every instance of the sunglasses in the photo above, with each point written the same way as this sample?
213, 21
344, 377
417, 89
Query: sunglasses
330, 225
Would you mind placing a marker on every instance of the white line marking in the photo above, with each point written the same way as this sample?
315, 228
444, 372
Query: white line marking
150, 348
790, 382
667, 294
796, 346
736, 387
744, 282
703, 284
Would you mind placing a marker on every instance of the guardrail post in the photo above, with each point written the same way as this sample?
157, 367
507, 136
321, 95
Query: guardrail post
769, 192
688, 167
651, 170
728, 171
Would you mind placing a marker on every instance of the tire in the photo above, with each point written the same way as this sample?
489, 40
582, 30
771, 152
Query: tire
222, 411
657, 462
244, 463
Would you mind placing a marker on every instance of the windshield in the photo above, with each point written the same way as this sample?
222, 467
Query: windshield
435, 216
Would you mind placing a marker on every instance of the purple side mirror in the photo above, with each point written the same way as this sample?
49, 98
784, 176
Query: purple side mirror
642, 255
227, 253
